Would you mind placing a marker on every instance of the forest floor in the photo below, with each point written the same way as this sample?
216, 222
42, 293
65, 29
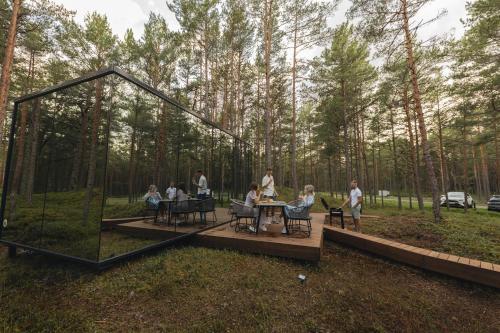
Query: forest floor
204, 290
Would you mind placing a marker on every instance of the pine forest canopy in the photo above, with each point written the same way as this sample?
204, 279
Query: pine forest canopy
419, 121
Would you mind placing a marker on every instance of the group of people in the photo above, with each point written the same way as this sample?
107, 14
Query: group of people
355, 200
254, 196
267, 191
179, 193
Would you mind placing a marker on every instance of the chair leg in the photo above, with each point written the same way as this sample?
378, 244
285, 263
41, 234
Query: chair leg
215, 217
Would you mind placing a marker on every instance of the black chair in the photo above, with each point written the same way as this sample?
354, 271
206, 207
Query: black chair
333, 212
243, 214
208, 206
150, 208
185, 208
299, 220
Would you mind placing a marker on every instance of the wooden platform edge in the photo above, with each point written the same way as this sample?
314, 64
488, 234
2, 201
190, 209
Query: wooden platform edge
109, 224
458, 267
307, 253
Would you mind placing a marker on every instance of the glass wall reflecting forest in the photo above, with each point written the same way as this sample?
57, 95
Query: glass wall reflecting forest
84, 158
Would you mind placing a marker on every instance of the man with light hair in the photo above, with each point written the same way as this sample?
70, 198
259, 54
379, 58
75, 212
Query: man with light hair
355, 199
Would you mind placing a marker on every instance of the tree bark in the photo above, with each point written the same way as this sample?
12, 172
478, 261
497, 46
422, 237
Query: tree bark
442, 159
132, 157
8, 61
484, 172
464, 161
268, 26
397, 179
418, 108
295, 183
413, 153
78, 158
96, 120
348, 171
35, 127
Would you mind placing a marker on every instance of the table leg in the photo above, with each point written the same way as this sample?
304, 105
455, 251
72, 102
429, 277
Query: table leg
285, 220
169, 215
258, 221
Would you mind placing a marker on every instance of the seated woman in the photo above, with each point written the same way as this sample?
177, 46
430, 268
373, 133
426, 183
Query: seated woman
180, 193
251, 200
302, 203
153, 197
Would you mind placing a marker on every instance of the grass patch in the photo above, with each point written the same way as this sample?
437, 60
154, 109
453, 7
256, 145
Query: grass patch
204, 290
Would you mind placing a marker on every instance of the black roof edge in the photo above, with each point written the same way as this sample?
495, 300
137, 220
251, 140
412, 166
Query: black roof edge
128, 77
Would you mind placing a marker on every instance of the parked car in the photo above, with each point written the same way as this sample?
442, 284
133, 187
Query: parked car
456, 199
384, 193
494, 203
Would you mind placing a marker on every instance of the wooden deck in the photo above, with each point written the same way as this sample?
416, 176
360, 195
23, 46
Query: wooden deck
146, 228
444, 263
271, 242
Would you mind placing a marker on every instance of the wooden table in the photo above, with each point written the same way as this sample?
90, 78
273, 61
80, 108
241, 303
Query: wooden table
273, 204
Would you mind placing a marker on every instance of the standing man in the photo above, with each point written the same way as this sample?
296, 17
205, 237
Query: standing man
355, 199
202, 186
268, 193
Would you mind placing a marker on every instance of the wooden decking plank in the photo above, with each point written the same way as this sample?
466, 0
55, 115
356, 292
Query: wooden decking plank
271, 242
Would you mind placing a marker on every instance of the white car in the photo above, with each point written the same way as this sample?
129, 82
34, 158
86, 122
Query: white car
456, 199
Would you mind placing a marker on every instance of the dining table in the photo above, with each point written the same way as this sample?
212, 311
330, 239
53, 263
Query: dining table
262, 205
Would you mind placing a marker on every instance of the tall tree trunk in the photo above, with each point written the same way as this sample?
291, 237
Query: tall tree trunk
348, 170
484, 171
413, 153
268, 26
35, 128
7, 61
132, 157
365, 161
295, 183
78, 158
330, 176
464, 161
477, 175
442, 158
375, 175
497, 148
397, 179
96, 121
418, 108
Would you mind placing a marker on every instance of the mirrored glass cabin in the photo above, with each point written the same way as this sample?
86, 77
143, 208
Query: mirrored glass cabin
104, 167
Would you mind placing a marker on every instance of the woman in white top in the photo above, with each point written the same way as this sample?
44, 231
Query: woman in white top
251, 200
180, 194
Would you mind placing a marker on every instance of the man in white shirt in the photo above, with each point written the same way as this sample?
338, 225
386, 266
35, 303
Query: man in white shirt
268, 193
355, 199
202, 186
